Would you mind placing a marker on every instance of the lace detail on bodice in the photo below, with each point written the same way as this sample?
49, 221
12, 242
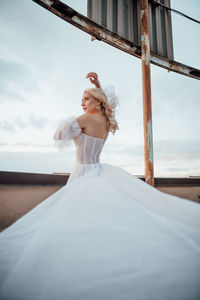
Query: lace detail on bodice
88, 148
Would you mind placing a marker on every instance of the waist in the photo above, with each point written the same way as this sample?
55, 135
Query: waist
81, 169
87, 161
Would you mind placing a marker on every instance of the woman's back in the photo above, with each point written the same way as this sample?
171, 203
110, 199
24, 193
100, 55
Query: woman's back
93, 125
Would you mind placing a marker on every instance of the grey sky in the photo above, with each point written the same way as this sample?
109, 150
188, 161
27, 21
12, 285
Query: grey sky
43, 63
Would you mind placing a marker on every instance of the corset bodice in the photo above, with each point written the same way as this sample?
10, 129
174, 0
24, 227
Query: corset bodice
88, 148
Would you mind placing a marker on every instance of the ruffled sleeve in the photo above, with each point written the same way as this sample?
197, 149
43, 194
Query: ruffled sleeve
66, 130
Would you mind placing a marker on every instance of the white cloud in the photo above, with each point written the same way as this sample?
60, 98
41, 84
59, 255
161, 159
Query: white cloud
19, 124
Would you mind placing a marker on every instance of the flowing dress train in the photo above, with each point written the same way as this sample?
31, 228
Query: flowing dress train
105, 235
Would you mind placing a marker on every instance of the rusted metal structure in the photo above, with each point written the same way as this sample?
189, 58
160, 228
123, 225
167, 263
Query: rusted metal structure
153, 44
101, 33
146, 86
123, 18
149, 27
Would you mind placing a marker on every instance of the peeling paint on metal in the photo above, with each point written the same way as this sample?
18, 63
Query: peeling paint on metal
141, 14
147, 54
79, 21
150, 142
101, 33
48, 2
127, 47
172, 66
145, 37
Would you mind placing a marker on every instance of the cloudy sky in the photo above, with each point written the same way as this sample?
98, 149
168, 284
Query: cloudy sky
43, 63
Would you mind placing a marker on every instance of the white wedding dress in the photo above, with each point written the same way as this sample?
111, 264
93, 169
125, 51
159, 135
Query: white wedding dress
105, 235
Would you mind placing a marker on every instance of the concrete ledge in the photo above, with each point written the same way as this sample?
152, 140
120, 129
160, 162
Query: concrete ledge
32, 178
17, 200
179, 181
7, 177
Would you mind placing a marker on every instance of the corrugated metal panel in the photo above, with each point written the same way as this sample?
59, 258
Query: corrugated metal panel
123, 17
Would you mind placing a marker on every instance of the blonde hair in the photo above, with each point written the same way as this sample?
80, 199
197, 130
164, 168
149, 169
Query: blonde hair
107, 107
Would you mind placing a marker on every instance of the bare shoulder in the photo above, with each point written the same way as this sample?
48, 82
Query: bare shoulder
93, 125
84, 119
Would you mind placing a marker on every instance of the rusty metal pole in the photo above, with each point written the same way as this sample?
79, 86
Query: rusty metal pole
146, 86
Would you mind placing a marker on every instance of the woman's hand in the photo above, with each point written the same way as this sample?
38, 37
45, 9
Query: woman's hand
94, 79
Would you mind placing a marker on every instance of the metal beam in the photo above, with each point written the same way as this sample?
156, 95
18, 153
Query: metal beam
146, 87
71, 16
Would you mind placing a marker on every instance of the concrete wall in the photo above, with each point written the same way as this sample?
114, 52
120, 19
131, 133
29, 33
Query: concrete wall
17, 200
187, 192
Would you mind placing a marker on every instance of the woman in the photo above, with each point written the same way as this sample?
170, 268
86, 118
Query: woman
90, 130
105, 234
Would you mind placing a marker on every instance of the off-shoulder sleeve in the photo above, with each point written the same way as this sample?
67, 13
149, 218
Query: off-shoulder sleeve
66, 130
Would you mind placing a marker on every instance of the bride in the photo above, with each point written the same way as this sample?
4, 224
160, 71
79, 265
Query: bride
106, 234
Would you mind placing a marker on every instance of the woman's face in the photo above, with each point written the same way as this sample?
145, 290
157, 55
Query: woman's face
88, 103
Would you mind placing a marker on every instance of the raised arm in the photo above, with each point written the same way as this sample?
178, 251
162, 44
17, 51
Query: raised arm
94, 79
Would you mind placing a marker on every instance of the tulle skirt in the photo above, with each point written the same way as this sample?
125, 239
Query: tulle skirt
104, 235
